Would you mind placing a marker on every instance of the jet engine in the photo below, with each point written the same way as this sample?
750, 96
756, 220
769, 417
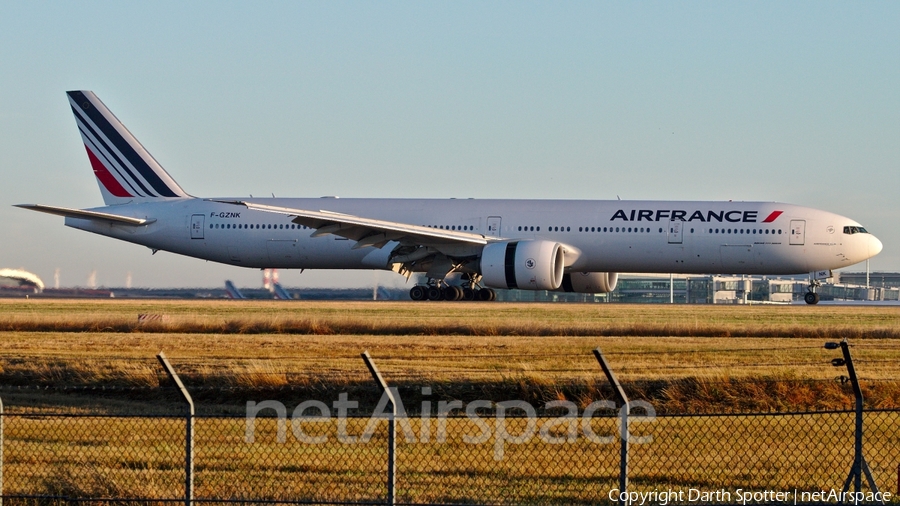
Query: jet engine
589, 282
527, 265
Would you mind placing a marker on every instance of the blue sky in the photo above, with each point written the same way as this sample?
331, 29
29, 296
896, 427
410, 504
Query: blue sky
787, 101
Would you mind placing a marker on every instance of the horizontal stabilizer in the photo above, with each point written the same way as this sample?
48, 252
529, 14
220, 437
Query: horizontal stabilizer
88, 215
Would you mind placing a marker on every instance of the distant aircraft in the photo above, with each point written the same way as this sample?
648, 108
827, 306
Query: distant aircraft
232, 291
280, 293
465, 247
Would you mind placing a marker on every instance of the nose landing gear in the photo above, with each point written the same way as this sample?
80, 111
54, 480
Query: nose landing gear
811, 297
815, 281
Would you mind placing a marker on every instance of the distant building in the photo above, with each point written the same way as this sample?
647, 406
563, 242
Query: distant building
876, 279
705, 289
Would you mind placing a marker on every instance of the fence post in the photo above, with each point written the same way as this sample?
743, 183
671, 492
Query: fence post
623, 413
392, 428
189, 431
860, 465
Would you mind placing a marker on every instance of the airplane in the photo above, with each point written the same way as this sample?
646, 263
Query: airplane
466, 248
232, 291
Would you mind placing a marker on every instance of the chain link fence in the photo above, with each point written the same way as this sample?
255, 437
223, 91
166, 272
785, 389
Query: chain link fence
447, 452
327, 460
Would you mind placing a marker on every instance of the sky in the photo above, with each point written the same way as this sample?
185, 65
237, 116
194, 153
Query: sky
794, 102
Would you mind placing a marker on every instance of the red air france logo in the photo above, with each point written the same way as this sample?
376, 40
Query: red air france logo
770, 218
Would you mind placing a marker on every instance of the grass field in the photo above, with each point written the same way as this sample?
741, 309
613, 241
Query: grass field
95, 358
681, 357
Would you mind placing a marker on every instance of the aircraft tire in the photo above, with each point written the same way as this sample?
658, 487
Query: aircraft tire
451, 293
468, 294
811, 298
483, 294
434, 293
417, 293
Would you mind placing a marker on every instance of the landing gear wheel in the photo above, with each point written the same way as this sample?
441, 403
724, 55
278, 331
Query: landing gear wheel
468, 294
485, 294
434, 293
452, 293
811, 298
417, 293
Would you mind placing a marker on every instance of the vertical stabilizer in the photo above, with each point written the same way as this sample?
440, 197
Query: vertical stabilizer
125, 171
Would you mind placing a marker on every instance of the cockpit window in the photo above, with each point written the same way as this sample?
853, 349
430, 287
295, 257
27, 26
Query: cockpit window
855, 230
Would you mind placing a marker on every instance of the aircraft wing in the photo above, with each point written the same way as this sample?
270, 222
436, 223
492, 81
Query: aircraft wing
368, 231
87, 215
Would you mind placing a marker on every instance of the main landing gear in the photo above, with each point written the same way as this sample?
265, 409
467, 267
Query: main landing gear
439, 290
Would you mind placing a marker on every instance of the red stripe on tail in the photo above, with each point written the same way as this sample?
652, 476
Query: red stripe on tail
105, 178
770, 218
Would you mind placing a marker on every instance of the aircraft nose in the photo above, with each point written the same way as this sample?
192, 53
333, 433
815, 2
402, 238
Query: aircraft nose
875, 246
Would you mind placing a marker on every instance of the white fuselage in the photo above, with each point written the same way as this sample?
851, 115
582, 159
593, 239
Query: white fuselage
611, 236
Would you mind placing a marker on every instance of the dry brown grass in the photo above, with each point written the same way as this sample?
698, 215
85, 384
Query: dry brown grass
684, 357
681, 359
449, 319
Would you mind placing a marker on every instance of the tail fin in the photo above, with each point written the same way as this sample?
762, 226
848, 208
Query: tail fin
125, 170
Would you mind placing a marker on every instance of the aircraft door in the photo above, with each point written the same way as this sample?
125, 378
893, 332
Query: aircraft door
798, 232
493, 226
197, 221
675, 229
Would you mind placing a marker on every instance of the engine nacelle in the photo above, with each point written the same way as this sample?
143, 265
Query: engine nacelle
590, 282
526, 265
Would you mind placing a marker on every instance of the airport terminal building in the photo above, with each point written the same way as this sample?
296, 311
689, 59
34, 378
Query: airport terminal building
708, 289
